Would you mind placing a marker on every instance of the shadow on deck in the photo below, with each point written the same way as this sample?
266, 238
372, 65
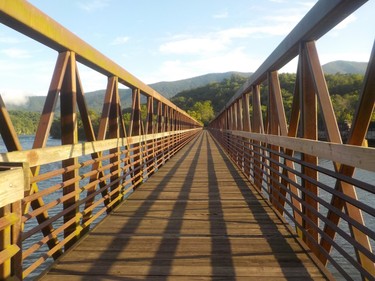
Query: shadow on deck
197, 218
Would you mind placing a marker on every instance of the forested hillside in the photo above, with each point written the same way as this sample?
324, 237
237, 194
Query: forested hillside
344, 90
204, 102
94, 100
345, 67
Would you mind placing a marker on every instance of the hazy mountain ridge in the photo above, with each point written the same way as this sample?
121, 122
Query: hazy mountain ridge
95, 99
345, 67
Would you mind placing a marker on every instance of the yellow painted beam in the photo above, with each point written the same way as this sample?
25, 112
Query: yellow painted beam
42, 156
27, 19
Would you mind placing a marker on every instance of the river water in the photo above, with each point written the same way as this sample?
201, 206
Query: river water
368, 198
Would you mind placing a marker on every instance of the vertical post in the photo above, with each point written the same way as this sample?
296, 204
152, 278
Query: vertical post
5, 242
274, 130
136, 131
41, 137
17, 235
247, 128
150, 144
357, 136
308, 107
11, 214
166, 129
239, 140
160, 129
258, 128
69, 135
113, 133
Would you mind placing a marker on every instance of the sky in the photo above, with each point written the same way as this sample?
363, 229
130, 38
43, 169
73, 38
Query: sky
168, 40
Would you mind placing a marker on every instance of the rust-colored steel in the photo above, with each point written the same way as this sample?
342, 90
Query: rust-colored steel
27, 19
283, 183
279, 125
69, 135
106, 184
309, 123
318, 21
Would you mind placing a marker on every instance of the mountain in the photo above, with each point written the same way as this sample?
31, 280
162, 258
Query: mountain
170, 89
345, 67
95, 99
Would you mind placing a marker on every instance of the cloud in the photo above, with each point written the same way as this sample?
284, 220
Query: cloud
8, 40
222, 15
25, 78
120, 40
218, 41
15, 96
94, 5
342, 25
91, 80
307, 4
277, 1
250, 31
237, 60
193, 45
343, 55
16, 53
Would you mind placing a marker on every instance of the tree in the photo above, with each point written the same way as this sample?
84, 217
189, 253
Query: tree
202, 112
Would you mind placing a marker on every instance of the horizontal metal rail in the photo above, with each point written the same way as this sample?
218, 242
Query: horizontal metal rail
75, 184
27, 19
329, 208
325, 15
243, 151
47, 155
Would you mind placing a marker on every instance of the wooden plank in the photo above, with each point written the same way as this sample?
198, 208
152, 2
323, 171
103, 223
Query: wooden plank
351, 155
12, 186
317, 22
42, 156
179, 278
183, 223
27, 19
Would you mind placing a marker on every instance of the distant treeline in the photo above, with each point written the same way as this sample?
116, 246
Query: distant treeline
204, 102
344, 90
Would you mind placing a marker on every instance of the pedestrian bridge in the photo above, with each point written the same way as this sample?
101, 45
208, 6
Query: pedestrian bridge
251, 196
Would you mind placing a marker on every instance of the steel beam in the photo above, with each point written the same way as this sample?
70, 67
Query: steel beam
318, 21
27, 19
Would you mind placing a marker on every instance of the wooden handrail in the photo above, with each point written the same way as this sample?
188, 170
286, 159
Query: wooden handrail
46, 155
325, 15
27, 19
351, 155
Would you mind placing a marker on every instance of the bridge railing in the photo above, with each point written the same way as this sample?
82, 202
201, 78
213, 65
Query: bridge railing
324, 189
75, 184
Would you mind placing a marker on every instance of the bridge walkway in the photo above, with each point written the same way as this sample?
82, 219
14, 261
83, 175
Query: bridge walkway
197, 218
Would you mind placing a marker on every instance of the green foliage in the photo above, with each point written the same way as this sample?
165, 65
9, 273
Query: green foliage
204, 102
55, 131
202, 112
342, 84
335, 67
25, 123
94, 100
218, 93
344, 90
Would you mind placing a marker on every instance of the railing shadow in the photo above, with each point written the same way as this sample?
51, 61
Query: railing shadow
267, 226
125, 234
221, 253
161, 265
173, 211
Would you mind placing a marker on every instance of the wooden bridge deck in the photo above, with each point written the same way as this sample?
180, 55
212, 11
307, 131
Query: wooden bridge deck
197, 218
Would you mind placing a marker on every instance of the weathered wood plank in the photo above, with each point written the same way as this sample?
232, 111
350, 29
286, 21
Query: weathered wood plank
197, 218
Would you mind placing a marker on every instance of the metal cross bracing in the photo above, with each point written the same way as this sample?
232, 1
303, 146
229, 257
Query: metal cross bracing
69, 188
281, 158
61, 204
